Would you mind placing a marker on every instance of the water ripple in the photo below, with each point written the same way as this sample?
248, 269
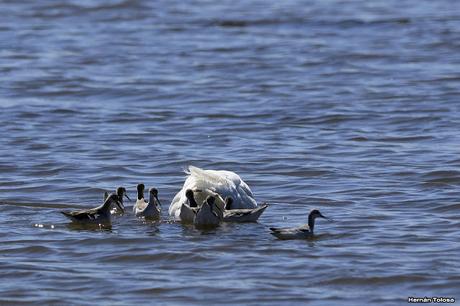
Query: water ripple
350, 108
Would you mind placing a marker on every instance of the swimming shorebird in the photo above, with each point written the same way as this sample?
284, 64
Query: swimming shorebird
302, 232
151, 209
209, 214
188, 211
99, 215
211, 182
120, 191
242, 215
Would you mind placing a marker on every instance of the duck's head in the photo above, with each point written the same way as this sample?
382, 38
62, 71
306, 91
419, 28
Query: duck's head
121, 191
189, 194
312, 216
153, 192
191, 198
317, 214
210, 200
215, 209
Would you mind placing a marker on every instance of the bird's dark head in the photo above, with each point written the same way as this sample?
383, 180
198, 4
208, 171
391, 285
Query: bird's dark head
153, 191
140, 191
210, 200
140, 187
121, 191
189, 194
228, 203
317, 214
154, 196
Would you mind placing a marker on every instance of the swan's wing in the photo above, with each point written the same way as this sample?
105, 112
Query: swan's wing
246, 189
242, 196
206, 176
198, 179
237, 181
227, 184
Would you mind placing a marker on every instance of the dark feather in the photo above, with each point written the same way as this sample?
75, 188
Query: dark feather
80, 215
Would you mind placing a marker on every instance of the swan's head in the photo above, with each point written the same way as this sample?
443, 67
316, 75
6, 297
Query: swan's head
228, 203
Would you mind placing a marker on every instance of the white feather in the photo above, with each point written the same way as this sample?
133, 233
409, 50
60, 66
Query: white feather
220, 183
147, 209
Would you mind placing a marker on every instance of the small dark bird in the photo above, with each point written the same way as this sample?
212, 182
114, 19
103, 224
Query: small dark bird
302, 232
98, 215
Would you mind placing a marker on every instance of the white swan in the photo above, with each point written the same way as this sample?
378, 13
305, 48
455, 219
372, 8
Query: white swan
218, 183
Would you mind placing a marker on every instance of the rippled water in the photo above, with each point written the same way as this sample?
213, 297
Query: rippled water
350, 107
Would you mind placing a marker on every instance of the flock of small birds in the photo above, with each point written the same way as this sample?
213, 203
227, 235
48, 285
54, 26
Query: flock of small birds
202, 207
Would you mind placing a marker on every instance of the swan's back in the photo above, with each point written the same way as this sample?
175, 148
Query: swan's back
225, 183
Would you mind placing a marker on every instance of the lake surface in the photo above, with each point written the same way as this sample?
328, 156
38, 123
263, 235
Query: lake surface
350, 107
